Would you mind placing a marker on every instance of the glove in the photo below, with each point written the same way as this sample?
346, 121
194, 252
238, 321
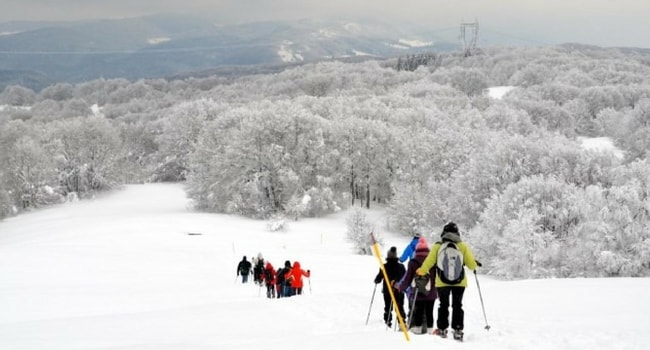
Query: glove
420, 272
308, 271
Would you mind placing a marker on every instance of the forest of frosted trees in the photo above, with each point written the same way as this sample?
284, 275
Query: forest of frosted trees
421, 137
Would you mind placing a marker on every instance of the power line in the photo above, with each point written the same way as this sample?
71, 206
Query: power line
506, 35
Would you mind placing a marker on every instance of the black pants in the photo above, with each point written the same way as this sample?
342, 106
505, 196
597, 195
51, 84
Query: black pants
458, 315
399, 298
423, 310
270, 290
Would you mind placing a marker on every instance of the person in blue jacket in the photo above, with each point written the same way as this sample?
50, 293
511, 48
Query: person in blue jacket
409, 251
408, 254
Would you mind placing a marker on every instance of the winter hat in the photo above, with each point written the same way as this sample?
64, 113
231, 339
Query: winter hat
422, 246
450, 227
392, 253
450, 233
287, 263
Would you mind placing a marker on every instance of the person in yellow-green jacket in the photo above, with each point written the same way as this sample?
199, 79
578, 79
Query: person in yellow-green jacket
449, 255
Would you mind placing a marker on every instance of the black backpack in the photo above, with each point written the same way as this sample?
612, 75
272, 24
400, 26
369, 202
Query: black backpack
423, 284
280, 278
268, 276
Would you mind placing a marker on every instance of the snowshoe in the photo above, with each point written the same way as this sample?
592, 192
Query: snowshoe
442, 333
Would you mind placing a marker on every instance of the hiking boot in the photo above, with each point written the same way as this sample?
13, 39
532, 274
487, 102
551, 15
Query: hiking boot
442, 333
458, 334
416, 330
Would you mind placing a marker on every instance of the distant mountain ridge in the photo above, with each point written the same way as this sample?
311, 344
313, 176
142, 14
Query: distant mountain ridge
168, 45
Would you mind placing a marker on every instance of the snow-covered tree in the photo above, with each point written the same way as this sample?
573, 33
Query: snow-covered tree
470, 81
359, 230
180, 131
529, 218
86, 151
16, 95
637, 139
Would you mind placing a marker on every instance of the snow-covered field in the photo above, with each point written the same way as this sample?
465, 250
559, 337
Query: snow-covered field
497, 92
601, 144
121, 272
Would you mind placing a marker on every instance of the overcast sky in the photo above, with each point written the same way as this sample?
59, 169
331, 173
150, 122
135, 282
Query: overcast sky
598, 22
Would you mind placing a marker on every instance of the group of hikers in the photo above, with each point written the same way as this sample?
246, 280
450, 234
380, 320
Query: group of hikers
433, 272
284, 282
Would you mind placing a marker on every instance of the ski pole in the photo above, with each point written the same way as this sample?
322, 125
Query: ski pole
487, 326
390, 316
375, 249
371, 300
309, 281
409, 322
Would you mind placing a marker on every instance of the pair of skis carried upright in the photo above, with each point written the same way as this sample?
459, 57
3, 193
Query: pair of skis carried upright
400, 319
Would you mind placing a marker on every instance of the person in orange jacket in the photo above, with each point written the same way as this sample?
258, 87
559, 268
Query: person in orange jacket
294, 277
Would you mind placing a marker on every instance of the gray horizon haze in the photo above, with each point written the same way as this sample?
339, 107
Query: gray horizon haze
621, 23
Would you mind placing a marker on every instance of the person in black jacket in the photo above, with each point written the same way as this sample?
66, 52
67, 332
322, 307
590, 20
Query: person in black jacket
243, 269
395, 270
258, 269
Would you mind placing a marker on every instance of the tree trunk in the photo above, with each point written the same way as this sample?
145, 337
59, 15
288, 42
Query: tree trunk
368, 195
352, 192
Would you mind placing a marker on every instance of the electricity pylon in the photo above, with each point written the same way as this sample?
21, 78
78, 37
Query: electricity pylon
469, 36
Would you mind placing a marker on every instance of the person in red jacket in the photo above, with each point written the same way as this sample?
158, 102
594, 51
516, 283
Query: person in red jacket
294, 277
269, 279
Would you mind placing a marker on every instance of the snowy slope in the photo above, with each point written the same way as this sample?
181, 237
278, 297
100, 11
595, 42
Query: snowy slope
121, 272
